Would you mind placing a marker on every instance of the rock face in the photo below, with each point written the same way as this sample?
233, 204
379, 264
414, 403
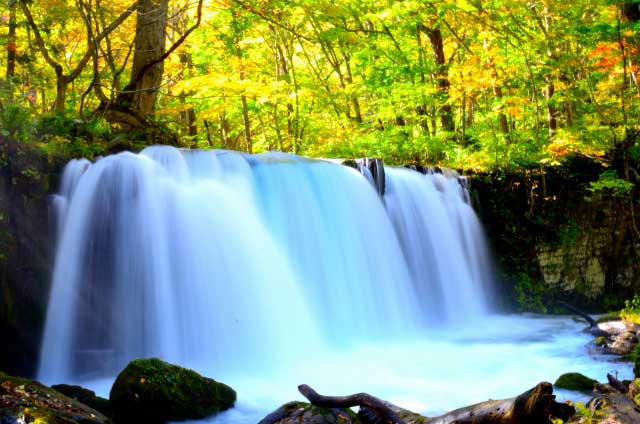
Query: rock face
153, 391
575, 381
85, 396
27, 401
556, 239
26, 179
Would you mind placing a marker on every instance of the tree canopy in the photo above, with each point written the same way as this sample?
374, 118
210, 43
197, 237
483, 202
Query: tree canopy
469, 83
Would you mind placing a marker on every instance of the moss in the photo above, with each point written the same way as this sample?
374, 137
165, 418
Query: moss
636, 397
154, 391
610, 316
25, 400
600, 341
575, 381
86, 396
302, 412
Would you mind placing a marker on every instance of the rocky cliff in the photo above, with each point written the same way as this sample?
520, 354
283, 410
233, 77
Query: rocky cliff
561, 233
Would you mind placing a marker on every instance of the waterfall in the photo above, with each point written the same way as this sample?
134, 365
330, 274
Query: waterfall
442, 241
227, 261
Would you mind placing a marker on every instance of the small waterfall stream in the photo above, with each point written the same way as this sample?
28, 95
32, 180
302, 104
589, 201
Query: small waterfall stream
228, 261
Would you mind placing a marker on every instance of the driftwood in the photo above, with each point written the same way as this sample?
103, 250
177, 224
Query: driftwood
381, 408
591, 321
617, 384
535, 406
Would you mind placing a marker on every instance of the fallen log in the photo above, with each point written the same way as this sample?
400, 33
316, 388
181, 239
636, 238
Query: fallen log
571, 308
617, 384
381, 409
535, 406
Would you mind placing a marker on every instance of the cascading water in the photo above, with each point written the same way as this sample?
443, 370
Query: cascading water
272, 270
442, 241
204, 257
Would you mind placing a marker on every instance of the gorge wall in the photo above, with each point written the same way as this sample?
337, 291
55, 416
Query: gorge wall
26, 178
555, 238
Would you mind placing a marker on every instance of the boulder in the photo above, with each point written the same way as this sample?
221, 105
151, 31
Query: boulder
153, 391
616, 336
86, 396
305, 413
26, 401
575, 381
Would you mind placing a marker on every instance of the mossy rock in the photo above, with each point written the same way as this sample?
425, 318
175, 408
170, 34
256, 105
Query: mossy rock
305, 413
26, 401
153, 391
575, 381
86, 396
600, 341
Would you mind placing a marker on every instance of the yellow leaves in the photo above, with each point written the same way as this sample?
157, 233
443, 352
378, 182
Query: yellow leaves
567, 141
248, 41
514, 105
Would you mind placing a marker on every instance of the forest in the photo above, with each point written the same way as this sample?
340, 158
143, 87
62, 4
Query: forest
468, 84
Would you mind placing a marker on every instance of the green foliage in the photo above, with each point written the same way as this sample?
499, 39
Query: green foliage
609, 182
632, 305
15, 122
452, 83
529, 293
568, 234
585, 415
72, 137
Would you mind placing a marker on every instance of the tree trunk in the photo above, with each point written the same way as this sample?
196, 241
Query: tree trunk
61, 91
552, 112
11, 51
442, 77
535, 406
149, 47
497, 90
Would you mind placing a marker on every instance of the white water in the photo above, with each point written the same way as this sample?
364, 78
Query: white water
268, 271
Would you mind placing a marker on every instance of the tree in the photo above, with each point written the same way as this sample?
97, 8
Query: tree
64, 79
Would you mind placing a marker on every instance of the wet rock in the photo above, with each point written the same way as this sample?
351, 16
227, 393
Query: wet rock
614, 327
575, 381
616, 336
305, 413
86, 396
600, 341
153, 391
27, 401
609, 409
